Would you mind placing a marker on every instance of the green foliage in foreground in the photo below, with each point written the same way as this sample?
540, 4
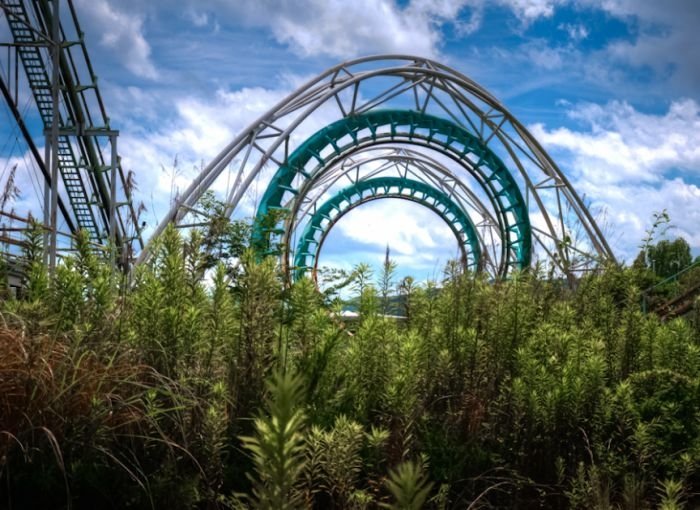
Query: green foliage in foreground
218, 388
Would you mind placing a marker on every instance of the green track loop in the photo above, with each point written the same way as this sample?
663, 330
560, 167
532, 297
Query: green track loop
339, 139
346, 199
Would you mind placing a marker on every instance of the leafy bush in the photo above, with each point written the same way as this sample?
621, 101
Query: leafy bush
175, 389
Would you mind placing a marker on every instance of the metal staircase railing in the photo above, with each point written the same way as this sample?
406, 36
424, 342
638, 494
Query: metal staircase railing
678, 304
40, 84
86, 174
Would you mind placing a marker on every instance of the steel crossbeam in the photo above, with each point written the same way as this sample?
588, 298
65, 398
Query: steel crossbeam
54, 66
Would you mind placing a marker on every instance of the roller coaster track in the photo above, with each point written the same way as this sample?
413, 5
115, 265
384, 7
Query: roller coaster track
84, 169
677, 305
452, 146
328, 214
455, 137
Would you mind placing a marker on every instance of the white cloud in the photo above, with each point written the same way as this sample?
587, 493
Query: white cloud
630, 208
666, 35
198, 18
544, 56
629, 162
440, 12
530, 10
656, 50
346, 29
408, 229
312, 28
343, 29
121, 33
576, 32
623, 144
420, 242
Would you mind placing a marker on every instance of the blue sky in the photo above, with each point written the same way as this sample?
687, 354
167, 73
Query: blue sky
611, 88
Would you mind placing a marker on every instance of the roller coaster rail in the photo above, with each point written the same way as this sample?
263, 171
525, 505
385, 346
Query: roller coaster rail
84, 180
398, 101
388, 126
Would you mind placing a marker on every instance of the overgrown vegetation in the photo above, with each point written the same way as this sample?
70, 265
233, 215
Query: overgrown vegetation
204, 384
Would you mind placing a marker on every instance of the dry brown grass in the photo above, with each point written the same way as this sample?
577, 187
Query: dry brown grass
53, 393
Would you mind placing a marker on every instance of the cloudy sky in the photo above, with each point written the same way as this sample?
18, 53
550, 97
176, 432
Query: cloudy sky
611, 88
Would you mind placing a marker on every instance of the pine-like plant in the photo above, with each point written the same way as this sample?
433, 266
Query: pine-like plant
277, 448
409, 487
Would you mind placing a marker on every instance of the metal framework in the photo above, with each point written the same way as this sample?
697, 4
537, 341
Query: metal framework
409, 165
343, 137
330, 212
397, 102
83, 175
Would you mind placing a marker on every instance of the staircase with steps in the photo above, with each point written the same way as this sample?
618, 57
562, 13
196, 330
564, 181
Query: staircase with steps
85, 177
40, 84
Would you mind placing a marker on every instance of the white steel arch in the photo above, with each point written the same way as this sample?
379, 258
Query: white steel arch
563, 229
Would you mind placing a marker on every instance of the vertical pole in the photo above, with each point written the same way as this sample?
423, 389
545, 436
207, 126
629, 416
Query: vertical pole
47, 197
9, 70
113, 201
16, 76
56, 55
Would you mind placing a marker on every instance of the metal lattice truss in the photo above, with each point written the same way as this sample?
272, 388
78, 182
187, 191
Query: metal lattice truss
412, 119
81, 168
395, 172
327, 215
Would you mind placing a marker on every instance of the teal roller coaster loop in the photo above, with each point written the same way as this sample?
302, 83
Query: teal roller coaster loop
341, 138
327, 215
386, 160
